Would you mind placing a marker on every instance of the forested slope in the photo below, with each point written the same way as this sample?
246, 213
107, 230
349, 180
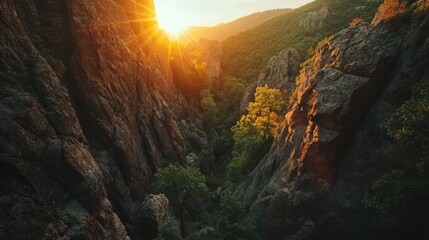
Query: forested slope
245, 54
222, 31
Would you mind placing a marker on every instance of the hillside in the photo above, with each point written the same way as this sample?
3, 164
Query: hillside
222, 31
246, 53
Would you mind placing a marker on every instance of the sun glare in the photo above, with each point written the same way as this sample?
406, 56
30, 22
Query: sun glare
171, 26
170, 21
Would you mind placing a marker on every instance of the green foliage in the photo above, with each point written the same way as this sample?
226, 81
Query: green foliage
247, 53
262, 118
263, 111
395, 195
232, 223
411, 118
229, 222
230, 94
226, 96
400, 197
222, 31
210, 167
222, 143
185, 187
214, 156
189, 71
209, 108
254, 131
207, 164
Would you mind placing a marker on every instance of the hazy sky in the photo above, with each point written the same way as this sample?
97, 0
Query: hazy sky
212, 12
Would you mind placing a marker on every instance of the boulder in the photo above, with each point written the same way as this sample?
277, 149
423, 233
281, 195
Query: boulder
158, 216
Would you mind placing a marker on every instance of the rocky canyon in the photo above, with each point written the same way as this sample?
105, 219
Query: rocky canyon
93, 103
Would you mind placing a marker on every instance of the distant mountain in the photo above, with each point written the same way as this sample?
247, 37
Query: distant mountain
224, 30
248, 52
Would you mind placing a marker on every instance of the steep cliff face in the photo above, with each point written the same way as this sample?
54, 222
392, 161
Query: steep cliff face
88, 113
334, 144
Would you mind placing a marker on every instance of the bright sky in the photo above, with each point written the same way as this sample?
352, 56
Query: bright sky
213, 12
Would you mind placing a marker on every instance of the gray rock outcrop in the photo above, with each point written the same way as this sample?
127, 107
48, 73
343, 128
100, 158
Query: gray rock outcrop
280, 73
315, 20
158, 216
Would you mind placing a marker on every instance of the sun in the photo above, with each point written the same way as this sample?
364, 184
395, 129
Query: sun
170, 20
172, 26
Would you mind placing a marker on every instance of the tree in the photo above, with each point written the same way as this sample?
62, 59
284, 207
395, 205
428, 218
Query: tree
263, 111
252, 134
184, 187
209, 108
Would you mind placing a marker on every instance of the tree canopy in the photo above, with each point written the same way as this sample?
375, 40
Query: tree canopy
185, 188
254, 131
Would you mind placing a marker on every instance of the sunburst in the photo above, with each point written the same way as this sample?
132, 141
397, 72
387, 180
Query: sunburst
171, 22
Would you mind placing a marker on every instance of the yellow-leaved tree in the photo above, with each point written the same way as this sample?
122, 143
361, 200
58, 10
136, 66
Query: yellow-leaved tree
255, 130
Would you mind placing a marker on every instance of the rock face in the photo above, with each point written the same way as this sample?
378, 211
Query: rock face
280, 73
158, 216
334, 145
314, 20
87, 115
